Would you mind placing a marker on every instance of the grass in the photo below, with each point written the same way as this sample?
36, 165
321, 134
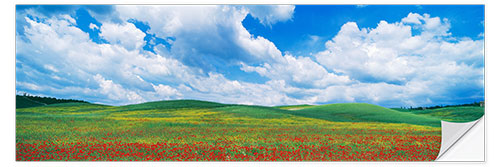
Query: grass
451, 114
184, 129
25, 101
294, 107
258, 112
173, 104
362, 112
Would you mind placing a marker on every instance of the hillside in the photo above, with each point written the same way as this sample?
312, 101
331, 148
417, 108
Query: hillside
194, 109
294, 107
25, 101
173, 104
169, 130
451, 114
205, 111
362, 112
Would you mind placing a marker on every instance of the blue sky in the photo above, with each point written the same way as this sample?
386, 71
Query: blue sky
390, 55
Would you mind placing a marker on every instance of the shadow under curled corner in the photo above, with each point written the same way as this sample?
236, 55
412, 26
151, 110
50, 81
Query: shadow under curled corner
462, 141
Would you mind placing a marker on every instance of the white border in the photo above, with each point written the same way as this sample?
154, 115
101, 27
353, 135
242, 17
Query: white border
7, 156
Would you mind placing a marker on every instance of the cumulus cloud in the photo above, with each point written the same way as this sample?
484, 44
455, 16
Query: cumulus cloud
413, 18
428, 63
206, 33
114, 70
120, 72
273, 92
126, 35
271, 14
352, 53
69, 19
115, 91
92, 26
301, 70
389, 64
166, 91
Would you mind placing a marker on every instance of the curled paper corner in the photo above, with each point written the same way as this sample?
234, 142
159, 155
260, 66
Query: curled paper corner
462, 141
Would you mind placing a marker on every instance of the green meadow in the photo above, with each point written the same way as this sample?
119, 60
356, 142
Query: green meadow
299, 132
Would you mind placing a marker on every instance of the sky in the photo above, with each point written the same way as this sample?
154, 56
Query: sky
389, 55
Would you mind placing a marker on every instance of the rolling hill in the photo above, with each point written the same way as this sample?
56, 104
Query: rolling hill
344, 112
173, 104
362, 112
202, 127
452, 113
25, 101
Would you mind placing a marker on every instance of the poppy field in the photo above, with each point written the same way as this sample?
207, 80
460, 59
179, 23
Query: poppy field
205, 131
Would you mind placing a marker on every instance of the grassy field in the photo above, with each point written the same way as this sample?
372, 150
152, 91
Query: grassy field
25, 101
451, 114
190, 130
362, 112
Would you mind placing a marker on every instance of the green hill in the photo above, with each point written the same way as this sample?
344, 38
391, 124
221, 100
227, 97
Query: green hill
173, 104
294, 107
451, 114
253, 111
25, 101
349, 112
345, 112
65, 108
362, 112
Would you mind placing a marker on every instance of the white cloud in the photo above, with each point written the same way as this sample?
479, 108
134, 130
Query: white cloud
218, 87
431, 26
126, 35
391, 53
113, 68
413, 18
166, 92
29, 86
169, 20
259, 47
301, 70
271, 14
112, 74
50, 67
362, 92
351, 52
382, 65
69, 19
211, 32
115, 91
92, 26
313, 38
426, 64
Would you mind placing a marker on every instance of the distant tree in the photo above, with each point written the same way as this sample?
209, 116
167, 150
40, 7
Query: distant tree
47, 100
442, 106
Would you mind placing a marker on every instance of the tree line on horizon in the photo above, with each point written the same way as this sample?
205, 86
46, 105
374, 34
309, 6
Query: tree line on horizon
477, 104
27, 100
